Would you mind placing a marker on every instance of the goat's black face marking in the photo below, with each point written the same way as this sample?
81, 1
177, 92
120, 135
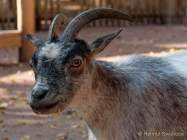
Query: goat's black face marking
57, 67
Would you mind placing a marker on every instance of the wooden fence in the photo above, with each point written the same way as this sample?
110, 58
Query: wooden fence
8, 14
17, 19
142, 11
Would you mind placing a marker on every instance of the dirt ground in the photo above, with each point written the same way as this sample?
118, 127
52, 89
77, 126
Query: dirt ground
18, 122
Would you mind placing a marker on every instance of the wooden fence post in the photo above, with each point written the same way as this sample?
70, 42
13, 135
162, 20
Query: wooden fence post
185, 14
26, 23
171, 11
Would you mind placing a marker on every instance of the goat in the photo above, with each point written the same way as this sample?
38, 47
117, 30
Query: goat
138, 98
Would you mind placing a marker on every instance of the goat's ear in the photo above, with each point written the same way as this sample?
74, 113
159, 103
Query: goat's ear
34, 40
100, 43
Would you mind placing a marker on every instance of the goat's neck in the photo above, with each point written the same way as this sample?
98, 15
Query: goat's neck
105, 105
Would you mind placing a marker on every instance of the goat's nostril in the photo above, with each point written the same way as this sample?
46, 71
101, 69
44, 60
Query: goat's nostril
39, 94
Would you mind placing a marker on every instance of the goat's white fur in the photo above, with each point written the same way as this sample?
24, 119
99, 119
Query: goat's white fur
91, 135
179, 61
50, 51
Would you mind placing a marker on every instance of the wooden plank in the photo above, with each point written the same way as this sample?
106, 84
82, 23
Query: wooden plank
170, 11
185, 13
143, 11
10, 38
3, 16
19, 15
28, 26
14, 9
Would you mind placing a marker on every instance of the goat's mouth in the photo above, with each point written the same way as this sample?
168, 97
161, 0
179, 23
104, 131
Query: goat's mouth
44, 109
56, 107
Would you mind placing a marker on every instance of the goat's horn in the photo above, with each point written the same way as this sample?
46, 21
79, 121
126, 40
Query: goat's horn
58, 19
86, 17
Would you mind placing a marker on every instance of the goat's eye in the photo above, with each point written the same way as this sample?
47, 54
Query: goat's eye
76, 62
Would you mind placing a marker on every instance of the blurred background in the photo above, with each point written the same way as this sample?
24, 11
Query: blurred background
159, 28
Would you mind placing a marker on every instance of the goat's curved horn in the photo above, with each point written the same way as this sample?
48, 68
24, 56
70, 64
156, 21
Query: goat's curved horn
86, 17
58, 19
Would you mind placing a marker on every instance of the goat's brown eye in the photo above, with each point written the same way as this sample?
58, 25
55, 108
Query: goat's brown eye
76, 62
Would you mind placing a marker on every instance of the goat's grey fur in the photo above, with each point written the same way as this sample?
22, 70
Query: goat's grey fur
138, 98
148, 95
